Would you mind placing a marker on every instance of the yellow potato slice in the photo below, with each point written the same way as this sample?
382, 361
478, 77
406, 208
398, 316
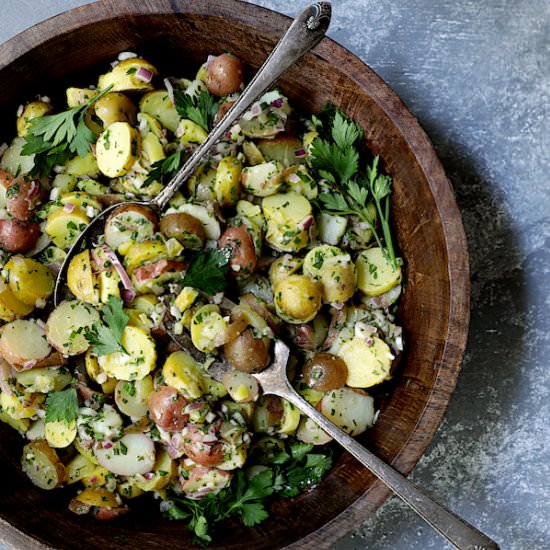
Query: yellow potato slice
67, 325
116, 149
190, 132
60, 434
123, 76
285, 213
164, 470
82, 166
159, 105
151, 149
368, 364
42, 465
99, 497
138, 362
22, 342
63, 227
263, 179
81, 199
10, 306
81, 279
206, 327
181, 372
148, 123
78, 468
29, 280
32, 110
227, 185
79, 96
375, 274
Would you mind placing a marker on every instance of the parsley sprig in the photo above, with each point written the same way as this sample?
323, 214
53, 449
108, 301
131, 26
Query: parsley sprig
62, 406
106, 337
54, 139
200, 109
248, 497
336, 159
208, 271
165, 169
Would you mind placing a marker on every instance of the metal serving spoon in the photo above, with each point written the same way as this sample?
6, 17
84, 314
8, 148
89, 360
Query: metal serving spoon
458, 532
305, 32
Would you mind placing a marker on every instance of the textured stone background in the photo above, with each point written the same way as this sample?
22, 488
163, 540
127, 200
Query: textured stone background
477, 76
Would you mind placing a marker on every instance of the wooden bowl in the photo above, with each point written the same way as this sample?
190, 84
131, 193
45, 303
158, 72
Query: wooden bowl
177, 35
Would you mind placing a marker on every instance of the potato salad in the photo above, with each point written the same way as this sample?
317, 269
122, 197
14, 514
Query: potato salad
138, 386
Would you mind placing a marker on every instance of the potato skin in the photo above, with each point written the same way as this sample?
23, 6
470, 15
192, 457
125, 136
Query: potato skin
183, 227
238, 244
224, 75
115, 107
325, 371
198, 450
246, 353
18, 236
166, 408
22, 196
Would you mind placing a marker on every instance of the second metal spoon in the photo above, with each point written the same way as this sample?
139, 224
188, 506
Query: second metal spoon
458, 532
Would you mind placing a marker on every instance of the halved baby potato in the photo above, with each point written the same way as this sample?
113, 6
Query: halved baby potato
29, 280
23, 342
64, 226
115, 107
116, 149
129, 75
139, 360
42, 465
129, 223
159, 105
375, 274
67, 325
80, 278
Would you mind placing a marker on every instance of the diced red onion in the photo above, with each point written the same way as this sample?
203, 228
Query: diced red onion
306, 223
145, 75
129, 292
33, 191
149, 475
107, 445
29, 364
194, 406
337, 305
294, 178
300, 153
277, 103
69, 207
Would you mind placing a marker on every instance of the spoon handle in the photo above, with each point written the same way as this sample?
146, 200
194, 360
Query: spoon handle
457, 531
305, 32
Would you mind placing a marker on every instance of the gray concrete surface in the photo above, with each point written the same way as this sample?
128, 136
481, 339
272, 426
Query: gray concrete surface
477, 76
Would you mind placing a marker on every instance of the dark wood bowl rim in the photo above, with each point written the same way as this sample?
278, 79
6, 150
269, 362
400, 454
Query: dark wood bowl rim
418, 141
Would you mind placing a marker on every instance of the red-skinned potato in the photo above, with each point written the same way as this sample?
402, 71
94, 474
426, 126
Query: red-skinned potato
224, 75
166, 407
246, 353
238, 243
22, 196
202, 447
17, 236
183, 227
325, 371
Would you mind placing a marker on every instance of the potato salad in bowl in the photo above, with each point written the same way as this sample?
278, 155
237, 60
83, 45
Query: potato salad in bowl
139, 384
